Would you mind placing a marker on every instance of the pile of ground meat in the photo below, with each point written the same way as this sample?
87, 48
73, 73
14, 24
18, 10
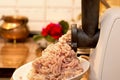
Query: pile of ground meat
58, 62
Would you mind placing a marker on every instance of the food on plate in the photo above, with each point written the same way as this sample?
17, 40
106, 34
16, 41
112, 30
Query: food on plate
58, 62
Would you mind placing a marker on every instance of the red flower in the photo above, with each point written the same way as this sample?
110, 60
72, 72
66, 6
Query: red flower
52, 29
44, 32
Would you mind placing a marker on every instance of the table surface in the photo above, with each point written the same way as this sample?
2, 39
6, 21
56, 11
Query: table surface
13, 55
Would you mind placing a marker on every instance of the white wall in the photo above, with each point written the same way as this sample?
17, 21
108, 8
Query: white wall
42, 12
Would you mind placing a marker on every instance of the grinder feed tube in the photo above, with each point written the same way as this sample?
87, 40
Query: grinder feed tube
87, 37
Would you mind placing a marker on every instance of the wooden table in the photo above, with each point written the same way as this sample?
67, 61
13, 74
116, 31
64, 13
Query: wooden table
14, 55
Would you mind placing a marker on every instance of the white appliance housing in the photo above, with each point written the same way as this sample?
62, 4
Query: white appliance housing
105, 58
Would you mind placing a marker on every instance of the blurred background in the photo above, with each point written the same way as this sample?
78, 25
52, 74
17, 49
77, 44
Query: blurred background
112, 3
41, 12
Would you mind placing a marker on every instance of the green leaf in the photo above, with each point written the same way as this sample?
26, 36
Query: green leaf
65, 26
49, 38
37, 37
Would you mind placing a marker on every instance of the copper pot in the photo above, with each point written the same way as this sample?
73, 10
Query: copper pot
14, 27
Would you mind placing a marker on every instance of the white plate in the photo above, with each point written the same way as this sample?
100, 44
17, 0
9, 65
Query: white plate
22, 72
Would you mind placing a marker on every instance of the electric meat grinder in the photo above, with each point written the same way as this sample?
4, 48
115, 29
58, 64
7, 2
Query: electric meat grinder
104, 58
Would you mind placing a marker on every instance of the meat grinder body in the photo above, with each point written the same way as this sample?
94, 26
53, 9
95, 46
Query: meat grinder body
104, 59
